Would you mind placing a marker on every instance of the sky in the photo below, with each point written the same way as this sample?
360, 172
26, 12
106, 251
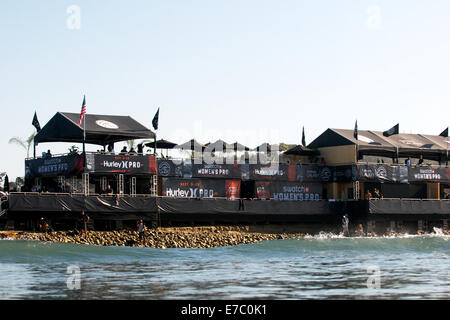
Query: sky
248, 71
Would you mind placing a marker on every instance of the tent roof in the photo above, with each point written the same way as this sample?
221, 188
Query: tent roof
300, 150
100, 129
374, 142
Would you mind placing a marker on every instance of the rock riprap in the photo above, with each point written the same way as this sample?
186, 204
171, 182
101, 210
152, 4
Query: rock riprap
184, 237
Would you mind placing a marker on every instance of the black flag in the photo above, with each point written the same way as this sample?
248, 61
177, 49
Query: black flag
355, 132
35, 122
155, 120
444, 133
392, 131
303, 137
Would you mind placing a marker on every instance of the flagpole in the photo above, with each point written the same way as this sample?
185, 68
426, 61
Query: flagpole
84, 135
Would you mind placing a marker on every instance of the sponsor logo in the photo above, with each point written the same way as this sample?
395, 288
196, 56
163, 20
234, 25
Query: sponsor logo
325, 174
190, 193
107, 124
381, 172
164, 169
269, 172
122, 164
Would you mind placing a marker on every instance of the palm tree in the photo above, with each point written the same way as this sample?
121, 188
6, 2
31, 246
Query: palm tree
26, 144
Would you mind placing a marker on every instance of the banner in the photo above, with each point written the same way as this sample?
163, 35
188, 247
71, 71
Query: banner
54, 166
288, 191
227, 171
276, 171
194, 188
233, 189
381, 173
429, 174
167, 168
124, 164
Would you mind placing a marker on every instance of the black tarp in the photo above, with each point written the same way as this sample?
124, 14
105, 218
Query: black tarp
249, 207
100, 129
105, 207
409, 207
70, 206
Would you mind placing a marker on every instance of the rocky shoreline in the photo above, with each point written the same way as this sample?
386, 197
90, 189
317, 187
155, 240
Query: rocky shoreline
183, 237
170, 237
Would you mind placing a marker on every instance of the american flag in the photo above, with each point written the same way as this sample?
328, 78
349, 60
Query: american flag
83, 110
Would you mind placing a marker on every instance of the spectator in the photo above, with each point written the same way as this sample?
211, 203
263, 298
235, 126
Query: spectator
111, 148
108, 190
141, 230
124, 150
43, 226
140, 148
48, 154
84, 219
132, 151
377, 193
368, 194
408, 162
420, 160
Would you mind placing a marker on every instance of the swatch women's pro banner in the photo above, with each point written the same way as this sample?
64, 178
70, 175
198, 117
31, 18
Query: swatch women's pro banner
288, 191
54, 166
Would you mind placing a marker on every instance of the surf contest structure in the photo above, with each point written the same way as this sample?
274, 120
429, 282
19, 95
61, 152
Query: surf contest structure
378, 179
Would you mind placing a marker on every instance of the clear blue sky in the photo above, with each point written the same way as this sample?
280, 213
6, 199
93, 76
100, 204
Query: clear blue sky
251, 71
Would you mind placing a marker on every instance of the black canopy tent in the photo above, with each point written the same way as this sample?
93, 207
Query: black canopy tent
100, 129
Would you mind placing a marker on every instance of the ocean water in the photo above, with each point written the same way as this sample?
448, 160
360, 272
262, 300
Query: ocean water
320, 267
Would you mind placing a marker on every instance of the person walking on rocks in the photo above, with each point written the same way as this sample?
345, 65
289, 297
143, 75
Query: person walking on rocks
345, 222
84, 220
141, 230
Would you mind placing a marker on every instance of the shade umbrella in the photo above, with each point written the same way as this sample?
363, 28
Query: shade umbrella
161, 144
6, 184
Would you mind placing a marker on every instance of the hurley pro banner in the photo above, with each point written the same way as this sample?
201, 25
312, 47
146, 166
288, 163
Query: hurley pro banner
199, 188
124, 164
274, 171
